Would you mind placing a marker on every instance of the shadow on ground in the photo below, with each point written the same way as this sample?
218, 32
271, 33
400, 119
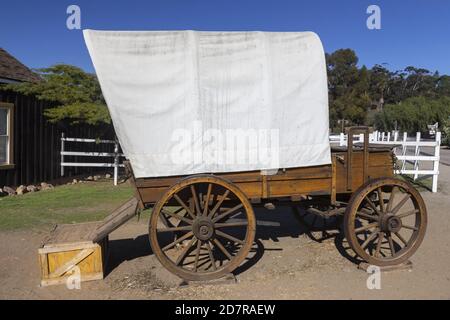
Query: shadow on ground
293, 222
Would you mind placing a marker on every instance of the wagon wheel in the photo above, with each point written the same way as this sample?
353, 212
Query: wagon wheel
202, 228
385, 221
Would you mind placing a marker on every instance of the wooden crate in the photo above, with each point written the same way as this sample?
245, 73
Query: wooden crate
71, 245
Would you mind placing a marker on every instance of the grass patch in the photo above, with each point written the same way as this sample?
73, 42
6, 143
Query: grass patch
81, 202
420, 184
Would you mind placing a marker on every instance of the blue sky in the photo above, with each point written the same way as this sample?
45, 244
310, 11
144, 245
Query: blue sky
415, 32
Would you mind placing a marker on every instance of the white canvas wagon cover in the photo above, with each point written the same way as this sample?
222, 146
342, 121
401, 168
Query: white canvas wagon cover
186, 102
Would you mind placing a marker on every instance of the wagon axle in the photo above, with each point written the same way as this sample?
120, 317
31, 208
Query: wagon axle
390, 223
203, 228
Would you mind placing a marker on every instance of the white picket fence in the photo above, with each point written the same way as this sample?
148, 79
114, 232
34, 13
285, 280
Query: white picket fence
115, 154
409, 151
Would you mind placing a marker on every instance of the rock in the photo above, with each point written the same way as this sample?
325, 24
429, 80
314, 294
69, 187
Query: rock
96, 178
32, 188
21, 190
10, 191
90, 178
74, 181
107, 176
46, 186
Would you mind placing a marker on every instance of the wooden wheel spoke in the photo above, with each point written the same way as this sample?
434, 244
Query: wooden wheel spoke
410, 227
218, 204
231, 224
185, 251
172, 229
391, 244
176, 216
369, 239
401, 238
391, 199
380, 241
206, 205
222, 248
197, 254
181, 202
372, 205
367, 216
401, 203
226, 213
196, 203
407, 213
184, 237
164, 220
381, 199
211, 256
366, 227
229, 237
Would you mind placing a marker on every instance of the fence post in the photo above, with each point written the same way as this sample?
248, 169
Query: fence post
404, 148
395, 136
417, 153
116, 162
437, 152
62, 155
388, 136
341, 139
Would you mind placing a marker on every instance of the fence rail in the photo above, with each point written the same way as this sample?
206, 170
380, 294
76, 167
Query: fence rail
116, 155
403, 147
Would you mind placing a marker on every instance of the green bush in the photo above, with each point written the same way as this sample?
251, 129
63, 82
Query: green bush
414, 114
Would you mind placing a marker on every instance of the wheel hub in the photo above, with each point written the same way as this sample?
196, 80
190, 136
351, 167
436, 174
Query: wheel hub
391, 223
203, 228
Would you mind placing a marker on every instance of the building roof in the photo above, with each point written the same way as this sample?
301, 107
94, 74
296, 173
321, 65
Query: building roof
12, 70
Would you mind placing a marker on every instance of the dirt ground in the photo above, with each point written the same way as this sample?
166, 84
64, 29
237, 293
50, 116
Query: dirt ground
285, 264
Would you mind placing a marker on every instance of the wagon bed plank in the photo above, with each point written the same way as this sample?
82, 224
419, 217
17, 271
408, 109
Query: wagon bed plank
117, 218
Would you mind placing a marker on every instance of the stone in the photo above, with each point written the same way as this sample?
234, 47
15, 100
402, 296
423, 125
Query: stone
74, 181
90, 178
32, 188
107, 176
46, 186
96, 178
21, 190
10, 191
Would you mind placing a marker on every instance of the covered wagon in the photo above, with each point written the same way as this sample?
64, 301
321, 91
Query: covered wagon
214, 123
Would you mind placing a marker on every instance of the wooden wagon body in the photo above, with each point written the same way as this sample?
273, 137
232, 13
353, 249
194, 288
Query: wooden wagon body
292, 183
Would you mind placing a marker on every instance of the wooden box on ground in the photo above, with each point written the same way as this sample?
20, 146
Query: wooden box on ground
70, 246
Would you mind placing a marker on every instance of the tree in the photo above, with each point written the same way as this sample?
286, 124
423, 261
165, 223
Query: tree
348, 87
379, 85
77, 94
443, 86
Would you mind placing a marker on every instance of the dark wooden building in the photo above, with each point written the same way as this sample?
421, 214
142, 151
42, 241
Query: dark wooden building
30, 145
